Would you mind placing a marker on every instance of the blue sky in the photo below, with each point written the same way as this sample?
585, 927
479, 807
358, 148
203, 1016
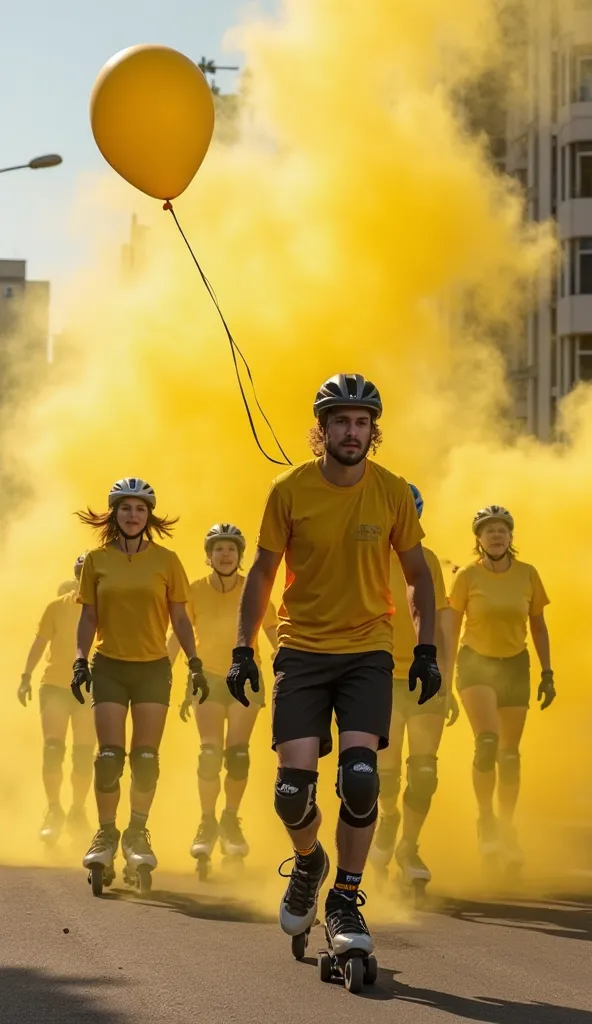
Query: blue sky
50, 54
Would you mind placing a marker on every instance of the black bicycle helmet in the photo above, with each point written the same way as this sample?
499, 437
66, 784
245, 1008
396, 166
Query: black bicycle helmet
347, 389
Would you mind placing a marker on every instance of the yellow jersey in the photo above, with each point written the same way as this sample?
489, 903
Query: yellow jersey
404, 637
58, 626
337, 543
214, 616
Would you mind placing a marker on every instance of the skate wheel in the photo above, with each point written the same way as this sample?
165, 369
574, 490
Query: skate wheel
299, 944
144, 878
324, 966
95, 878
370, 970
203, 868
419, 891
129, 876
353, 974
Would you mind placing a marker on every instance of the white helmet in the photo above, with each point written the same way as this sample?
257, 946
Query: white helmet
490, 514
132, 487
225, 531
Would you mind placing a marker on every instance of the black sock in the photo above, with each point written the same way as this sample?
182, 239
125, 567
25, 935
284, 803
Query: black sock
138, 820
313, 856
109, 825
346, 884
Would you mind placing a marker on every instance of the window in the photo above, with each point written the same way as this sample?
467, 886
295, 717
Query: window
584, 357
584, 266
583, 171
585, 78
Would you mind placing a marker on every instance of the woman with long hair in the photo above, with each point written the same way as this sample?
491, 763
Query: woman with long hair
498, 596
129, 590
56, 634
224, 725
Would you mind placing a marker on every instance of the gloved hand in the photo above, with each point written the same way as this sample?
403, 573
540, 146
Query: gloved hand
25, 692
185, 707
198, 680
425, 668
452, 709
243, 670
546, 691
82, 677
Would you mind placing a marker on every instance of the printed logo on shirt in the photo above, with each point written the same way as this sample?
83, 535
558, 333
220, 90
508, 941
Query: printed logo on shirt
367, 532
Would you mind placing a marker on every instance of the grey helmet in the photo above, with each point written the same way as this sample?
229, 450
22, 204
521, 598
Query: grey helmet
132, 487
347, 389
225, 531
490, 514
78, 565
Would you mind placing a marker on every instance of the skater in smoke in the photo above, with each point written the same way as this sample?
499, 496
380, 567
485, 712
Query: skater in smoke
497, 596
424, 724
224, 725
56, 633
336, 519
129, 590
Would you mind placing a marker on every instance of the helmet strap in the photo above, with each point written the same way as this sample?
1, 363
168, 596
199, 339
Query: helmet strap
132, 536
494, 558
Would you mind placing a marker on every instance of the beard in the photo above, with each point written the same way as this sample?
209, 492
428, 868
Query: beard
347, 458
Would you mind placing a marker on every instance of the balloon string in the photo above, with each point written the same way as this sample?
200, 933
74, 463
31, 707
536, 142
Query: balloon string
234, 349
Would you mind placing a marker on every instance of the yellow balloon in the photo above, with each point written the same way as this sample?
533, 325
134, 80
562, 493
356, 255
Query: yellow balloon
152, 116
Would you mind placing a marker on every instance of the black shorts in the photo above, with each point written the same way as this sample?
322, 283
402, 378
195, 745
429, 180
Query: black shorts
220, 694
60, 698
309, 687
130, 682
405, 702
509, 677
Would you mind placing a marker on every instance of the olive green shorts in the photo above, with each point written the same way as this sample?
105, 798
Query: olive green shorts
130, 682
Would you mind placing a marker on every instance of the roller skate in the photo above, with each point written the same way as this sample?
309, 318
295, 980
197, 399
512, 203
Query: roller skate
349, 955
298, 909
489, 844
203, 845
100, 857
52, 826
233, 844
511, 855
77, 823
415, 875
139, 857
383, 847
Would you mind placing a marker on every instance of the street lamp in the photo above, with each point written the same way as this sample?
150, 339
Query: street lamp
49, 160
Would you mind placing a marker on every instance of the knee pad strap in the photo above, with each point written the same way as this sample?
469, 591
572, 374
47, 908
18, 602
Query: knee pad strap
237, 761
486, 746
53, 755
296, 797
358, 786
82, 758
422, 782
145, 768
509, 766
209, 763
109, 765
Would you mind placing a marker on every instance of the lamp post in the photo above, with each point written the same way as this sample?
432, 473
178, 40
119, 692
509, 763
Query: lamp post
49, 160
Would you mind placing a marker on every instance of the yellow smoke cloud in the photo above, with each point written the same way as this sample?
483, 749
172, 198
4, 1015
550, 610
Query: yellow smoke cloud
351, 227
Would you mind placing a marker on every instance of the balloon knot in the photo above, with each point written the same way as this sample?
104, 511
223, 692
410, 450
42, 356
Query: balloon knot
168, 205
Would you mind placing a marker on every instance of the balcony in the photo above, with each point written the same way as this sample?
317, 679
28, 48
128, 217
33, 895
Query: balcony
574, 315
575, 123
574, 219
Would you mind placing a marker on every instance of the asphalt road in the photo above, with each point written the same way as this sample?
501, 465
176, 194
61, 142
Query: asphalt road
193, 952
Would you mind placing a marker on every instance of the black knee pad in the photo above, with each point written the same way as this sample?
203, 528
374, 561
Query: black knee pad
237, 761
422, 782
486, 746
509, 766
53, 755
145, 768
390, 784
209, 764
296, 797
82, 758
109, 765
358, 786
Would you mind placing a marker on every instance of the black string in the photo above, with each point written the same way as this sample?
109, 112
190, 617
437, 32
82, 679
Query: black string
234, 349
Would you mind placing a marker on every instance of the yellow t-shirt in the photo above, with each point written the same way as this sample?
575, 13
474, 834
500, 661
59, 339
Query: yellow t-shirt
497, 606
404, 637
58, 626
132, 595
214, 616
337, 542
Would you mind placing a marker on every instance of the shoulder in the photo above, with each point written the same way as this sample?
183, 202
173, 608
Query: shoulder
431, 558
389, 482
295, 476
526, 569
466, 573
159, 551
199, 586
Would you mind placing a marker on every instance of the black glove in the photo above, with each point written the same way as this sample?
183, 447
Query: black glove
24, 692
82, 677
546, 689
243, 670
198, 680
425, 668
185, 707
452, 709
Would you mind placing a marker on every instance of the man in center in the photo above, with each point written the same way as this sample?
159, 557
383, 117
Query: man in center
335, 519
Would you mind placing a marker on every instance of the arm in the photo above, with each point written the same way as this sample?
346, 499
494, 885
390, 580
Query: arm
182, 628
256, 594
540, 639
87, 627
452, 623
173, 646
420, 593
441, 640
35, 654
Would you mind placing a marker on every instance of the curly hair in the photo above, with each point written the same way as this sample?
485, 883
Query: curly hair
105, 523
316, 437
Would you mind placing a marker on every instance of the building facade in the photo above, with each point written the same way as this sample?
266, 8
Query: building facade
24, 327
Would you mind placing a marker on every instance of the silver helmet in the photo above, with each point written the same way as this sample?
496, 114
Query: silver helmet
490, 514
225, 531
78, 565
347, 389
132, 487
